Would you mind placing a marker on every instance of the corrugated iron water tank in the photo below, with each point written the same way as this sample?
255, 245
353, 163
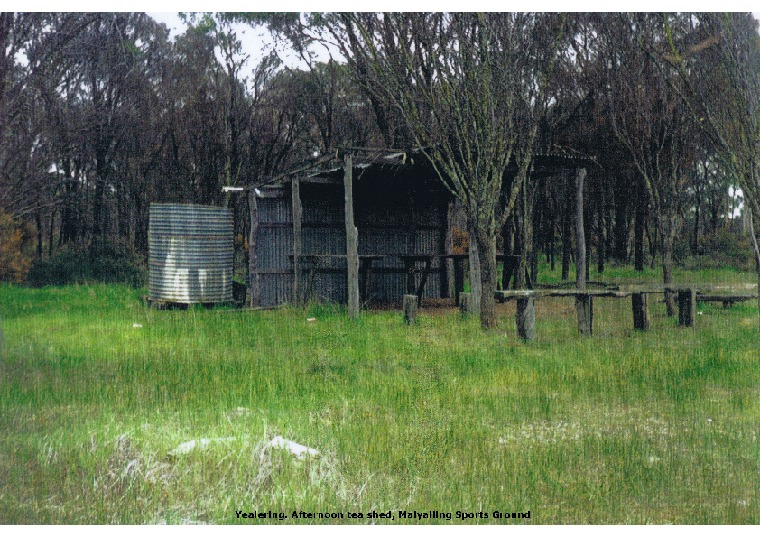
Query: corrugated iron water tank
190, 253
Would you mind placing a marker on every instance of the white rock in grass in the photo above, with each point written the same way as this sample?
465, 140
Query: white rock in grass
299, 450
137, 325
186, 447
311, 319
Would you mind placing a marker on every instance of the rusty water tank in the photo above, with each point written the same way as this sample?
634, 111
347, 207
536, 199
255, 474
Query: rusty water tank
190, 251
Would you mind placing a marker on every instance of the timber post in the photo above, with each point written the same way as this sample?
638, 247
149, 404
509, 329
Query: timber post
254, 279
410, 309
352, 240
525, 319
640, 311
687, 307
583, 303
297, 221
580, 233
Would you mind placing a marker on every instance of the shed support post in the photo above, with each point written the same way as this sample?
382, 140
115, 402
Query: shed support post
580, 233
640, 311
526, 318
254, 280
583, 303
447, 265
687, 307
352, 240
584, 307
297, 220
410, 309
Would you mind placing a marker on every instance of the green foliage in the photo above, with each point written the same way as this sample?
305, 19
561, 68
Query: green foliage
105, 262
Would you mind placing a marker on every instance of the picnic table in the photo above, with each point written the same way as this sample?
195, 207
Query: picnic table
411, 268
313, 263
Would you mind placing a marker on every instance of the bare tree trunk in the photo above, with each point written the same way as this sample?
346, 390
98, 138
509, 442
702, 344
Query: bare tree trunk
695, 243
523, 237
638, 234
550, 252
621, 232
601, 250
668, 238
487, 257
475, 274
38, 224
756, 249
51, 235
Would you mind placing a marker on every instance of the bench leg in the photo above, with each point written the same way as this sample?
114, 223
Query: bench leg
458, 279
423, 281
584, 307
466, 304
526, 318
410, 309
687, 307
640, 311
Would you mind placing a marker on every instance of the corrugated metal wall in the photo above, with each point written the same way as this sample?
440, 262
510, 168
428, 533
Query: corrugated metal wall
273, 245
390, 222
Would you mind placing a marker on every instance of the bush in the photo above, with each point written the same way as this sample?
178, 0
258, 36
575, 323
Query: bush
721, 249
14, 265
102, 262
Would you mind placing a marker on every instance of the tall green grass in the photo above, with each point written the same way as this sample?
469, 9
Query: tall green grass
623, 427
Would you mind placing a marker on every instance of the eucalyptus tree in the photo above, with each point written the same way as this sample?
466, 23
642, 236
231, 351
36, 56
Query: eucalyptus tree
650, 120
22, 165
718, 58
471, 89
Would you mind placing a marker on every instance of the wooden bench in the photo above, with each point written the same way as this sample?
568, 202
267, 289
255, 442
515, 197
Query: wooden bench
688, 296
687, 304
584, 307
727, 300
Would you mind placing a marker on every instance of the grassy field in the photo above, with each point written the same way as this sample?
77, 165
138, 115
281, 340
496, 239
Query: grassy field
623, 427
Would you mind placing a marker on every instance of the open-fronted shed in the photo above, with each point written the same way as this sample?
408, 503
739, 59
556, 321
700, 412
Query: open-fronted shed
400, 209
302, 242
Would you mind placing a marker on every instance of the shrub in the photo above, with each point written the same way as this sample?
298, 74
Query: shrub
102, 262
14, 265
721, 249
